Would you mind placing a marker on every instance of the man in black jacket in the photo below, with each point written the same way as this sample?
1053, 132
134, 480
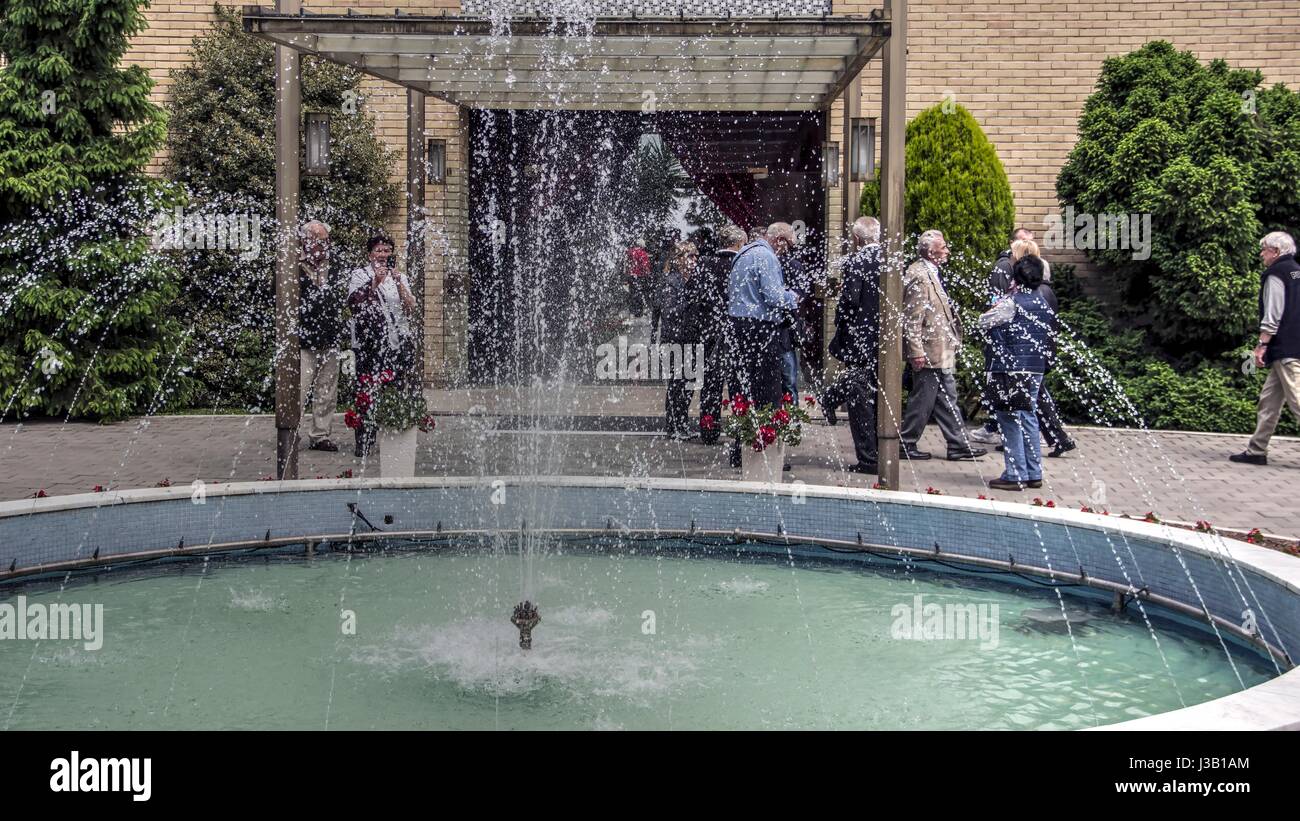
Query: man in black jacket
712, 319
322, 294
1279, 342
856, 343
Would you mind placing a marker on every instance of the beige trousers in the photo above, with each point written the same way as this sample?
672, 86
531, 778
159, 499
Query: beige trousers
320, 381
1281, 387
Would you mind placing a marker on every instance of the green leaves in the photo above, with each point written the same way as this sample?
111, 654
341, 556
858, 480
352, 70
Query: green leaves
955, 183
1215, 160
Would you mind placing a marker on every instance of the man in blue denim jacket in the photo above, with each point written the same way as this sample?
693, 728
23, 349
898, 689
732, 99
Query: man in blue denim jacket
756, 298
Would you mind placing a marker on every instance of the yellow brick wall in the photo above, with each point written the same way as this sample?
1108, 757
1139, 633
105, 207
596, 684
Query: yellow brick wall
1024, 68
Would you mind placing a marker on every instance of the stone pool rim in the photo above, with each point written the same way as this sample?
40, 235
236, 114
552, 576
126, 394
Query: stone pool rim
1274, 704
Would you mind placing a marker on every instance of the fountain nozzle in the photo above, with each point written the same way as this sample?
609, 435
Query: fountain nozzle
525, 618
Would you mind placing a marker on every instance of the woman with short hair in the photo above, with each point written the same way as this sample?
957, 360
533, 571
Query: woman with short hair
384, 313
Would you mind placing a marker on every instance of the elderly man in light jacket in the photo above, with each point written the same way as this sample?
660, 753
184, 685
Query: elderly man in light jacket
931, 339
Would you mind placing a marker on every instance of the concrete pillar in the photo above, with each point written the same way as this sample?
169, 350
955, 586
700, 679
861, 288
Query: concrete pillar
288, 392
889, 404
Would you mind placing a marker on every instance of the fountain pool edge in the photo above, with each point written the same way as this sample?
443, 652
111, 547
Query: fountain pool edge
54, 533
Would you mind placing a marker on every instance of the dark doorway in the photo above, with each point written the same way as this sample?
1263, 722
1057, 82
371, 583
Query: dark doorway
553, 212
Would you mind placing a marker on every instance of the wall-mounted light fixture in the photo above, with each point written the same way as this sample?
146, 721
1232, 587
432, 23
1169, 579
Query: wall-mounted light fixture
317, 161
862, 149
831, 165
436, 158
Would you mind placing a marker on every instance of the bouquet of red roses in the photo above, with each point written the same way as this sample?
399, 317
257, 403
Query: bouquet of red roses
759, 427
382, 400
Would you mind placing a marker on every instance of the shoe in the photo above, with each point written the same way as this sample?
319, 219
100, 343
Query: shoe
1059, 449
735, 457
325, 445
966, 455
984, 436
831, 418
1000, 449
785, 467
863, 467
1249, 458
708, 440
905, 452
1035, 483
1006, 484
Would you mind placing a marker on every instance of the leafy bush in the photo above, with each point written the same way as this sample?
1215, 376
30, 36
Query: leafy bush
222, 149
1214, 160
82, 300
955, 183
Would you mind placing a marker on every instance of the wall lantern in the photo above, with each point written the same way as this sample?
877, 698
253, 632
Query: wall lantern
436, 159
862, 149
318, 144
831, 165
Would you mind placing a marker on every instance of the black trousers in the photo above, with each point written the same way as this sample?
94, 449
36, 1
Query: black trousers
677, 406
857, 387
1049, 419
715, 378
755, 354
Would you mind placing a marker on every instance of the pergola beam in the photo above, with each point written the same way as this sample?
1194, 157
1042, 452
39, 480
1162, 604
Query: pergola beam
709, 63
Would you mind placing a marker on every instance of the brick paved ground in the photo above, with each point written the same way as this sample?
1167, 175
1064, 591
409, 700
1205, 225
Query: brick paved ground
1178, 475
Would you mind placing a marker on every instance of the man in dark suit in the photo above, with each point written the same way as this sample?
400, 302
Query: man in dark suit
856, 342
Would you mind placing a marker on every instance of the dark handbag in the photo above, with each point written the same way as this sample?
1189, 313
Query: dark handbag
1010, 392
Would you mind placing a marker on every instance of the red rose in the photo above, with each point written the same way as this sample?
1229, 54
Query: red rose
786, 399
811, 402
387, 375
768, 433
364, 379
706, 422
427, 423
352, 419
781, 417
363, 401
739, 405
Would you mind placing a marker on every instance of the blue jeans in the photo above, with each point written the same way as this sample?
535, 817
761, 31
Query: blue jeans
1022, 451
790, 374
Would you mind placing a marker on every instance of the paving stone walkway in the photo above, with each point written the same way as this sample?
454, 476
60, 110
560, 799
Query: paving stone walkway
1184, 476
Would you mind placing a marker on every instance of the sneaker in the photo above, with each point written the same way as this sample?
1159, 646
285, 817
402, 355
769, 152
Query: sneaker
325, 445
1249, 458
984, 436
1060, 449
1005, 484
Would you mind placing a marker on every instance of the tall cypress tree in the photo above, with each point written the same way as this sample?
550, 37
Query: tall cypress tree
82, 328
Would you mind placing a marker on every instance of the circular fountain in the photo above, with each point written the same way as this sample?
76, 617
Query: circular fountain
671, 603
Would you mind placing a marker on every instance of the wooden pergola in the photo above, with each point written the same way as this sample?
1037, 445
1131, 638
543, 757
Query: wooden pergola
622, 63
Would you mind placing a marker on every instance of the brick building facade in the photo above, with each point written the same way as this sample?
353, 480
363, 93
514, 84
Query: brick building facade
1022, 67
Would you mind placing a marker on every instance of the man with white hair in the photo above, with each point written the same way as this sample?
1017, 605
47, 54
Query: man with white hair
757, 300
931, 339
1279, 342
857, 342
322, 294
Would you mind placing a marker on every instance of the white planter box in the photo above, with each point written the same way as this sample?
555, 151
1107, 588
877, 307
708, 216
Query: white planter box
397, 452
763, 466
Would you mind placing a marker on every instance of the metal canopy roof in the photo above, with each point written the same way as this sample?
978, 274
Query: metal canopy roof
610, 63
